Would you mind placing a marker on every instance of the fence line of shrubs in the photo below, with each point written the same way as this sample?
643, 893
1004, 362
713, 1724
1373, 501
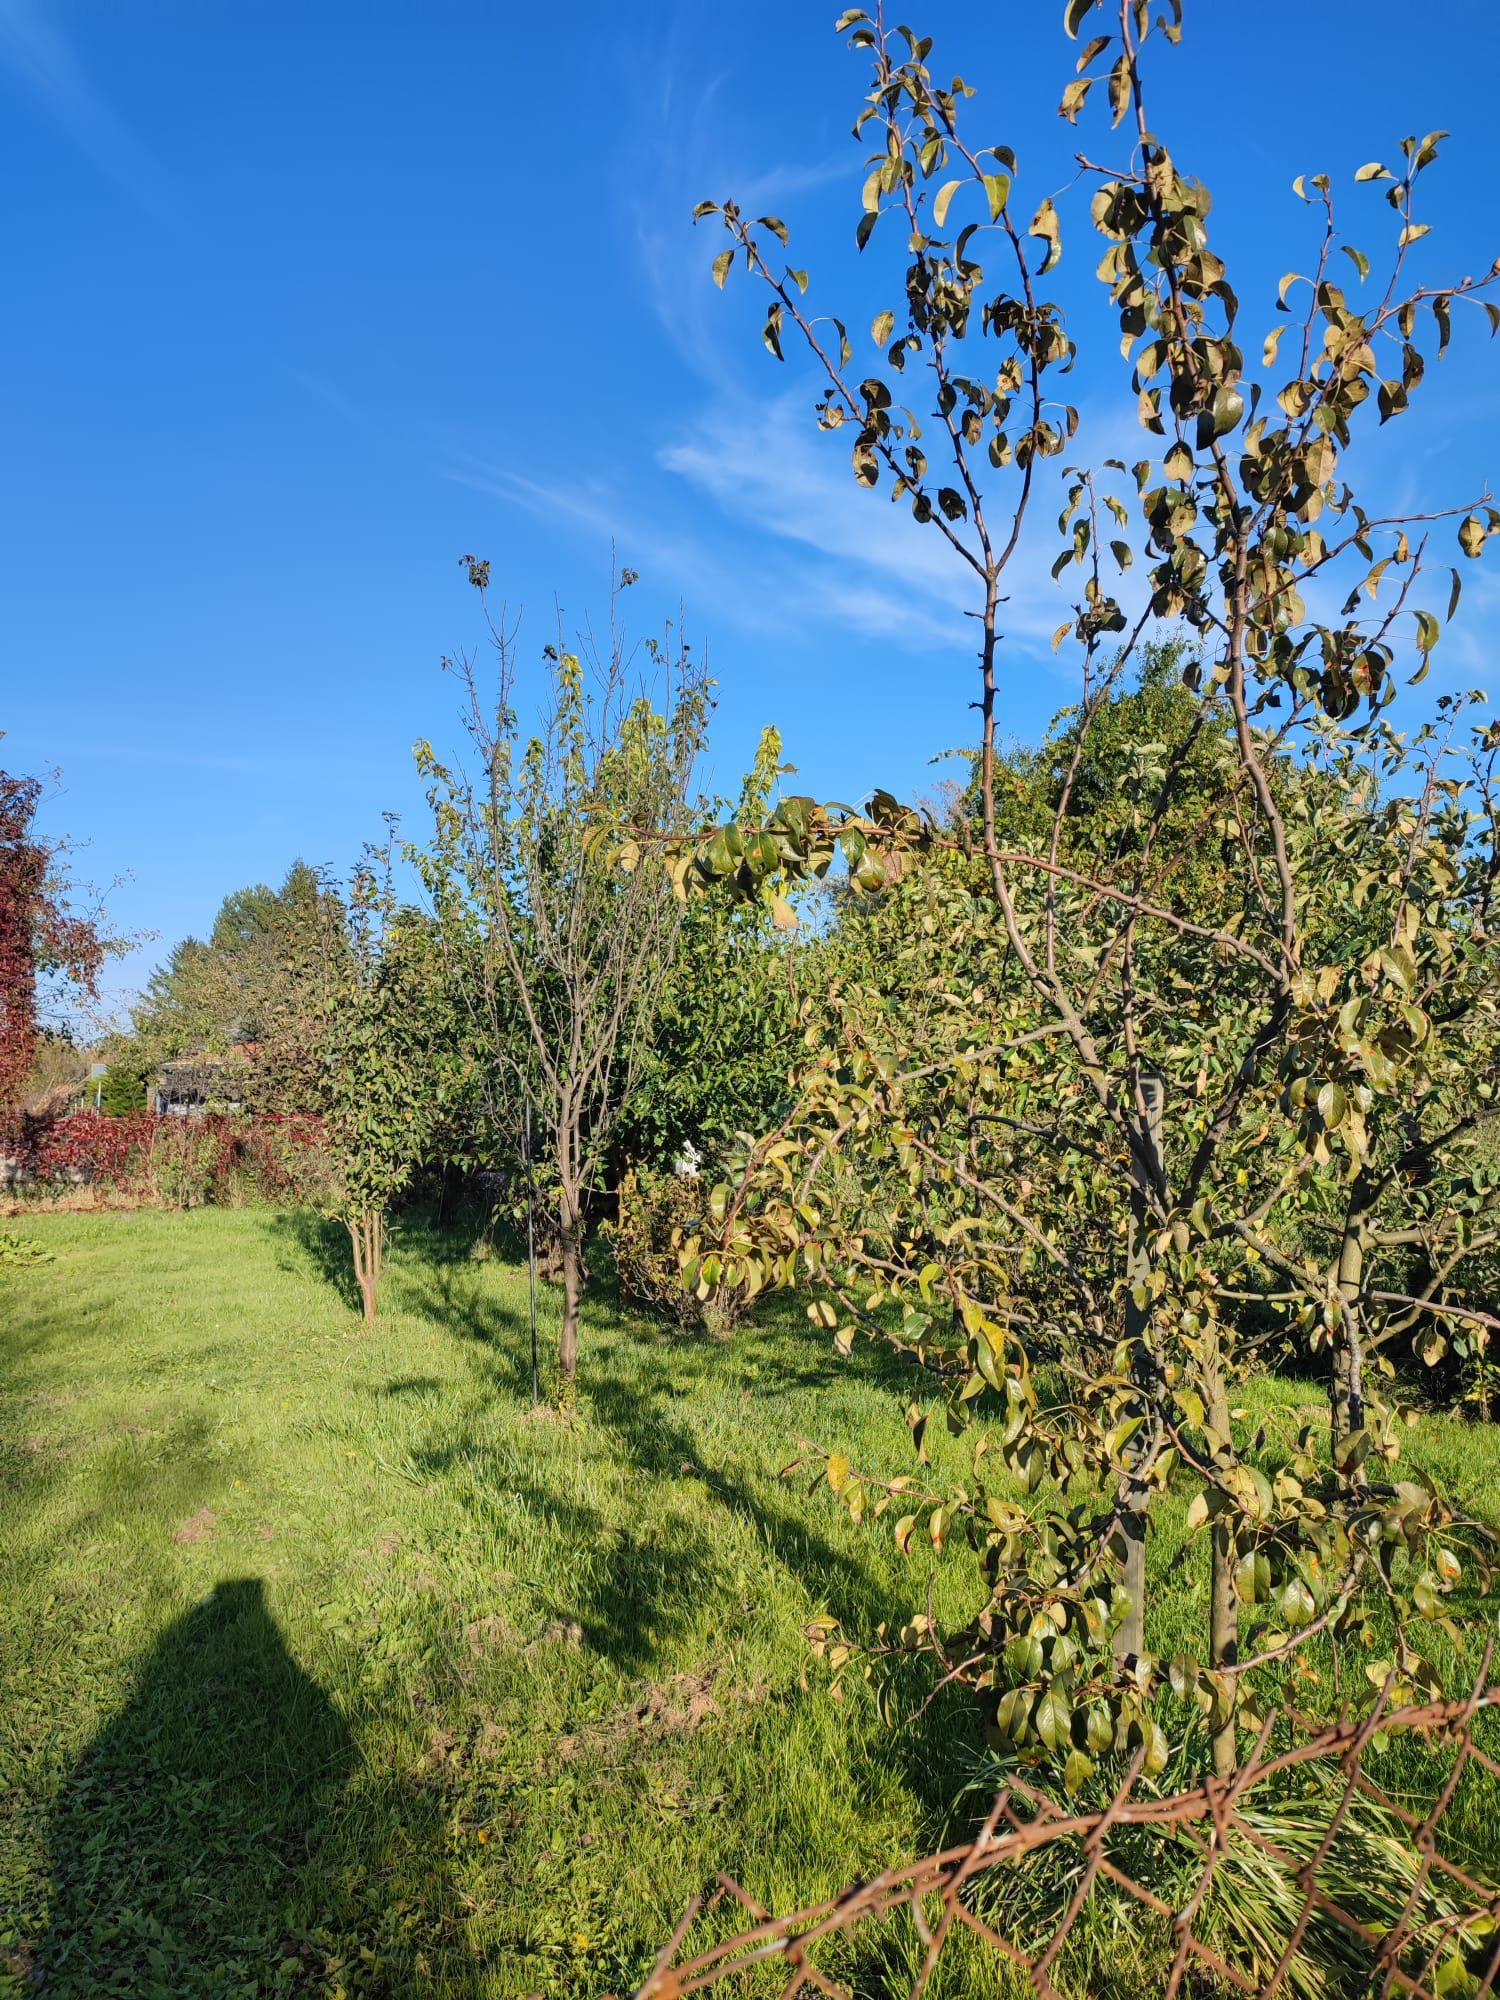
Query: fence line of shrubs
226, 1159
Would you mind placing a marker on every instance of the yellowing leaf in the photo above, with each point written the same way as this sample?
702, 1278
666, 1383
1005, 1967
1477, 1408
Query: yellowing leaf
1045, 225
941, 200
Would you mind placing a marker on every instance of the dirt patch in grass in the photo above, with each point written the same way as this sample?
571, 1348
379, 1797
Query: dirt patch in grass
561, 1632
197, 1527
488, 1635
458, 1751
667, 1708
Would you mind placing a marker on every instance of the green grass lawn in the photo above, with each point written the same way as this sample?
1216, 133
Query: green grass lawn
325, 1663
327, 1666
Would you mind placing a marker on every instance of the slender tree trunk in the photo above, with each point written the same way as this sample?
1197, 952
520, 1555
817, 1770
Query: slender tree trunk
1135, 1494
1224, 1646
366, 1233
1145, 1368
374, 1260
354, 1225
570, 1233
1224, 1604
1346, 1395
569, 1241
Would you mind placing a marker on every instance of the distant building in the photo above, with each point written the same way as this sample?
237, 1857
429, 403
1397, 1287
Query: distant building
186, 1088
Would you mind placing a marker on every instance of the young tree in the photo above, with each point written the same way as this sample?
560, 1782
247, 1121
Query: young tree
127, 1084
724, 1034
376, 1058
1193, 1097
558, 953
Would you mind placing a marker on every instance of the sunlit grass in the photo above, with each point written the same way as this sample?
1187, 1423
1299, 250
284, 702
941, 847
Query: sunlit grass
327, 1664
318, 1642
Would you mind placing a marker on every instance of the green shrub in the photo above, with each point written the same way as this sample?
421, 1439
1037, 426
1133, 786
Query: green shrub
657, 1212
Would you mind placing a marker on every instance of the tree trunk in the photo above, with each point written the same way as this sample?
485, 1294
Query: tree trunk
354, 1225
1145, 1368
373, 1260
366, 1233
1346, 1391
1224, 1604
570, 1238
1134, 1510
1224, 1647
1347, 1396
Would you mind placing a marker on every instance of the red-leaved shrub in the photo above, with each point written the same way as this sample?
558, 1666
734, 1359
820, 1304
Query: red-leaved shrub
223, 1158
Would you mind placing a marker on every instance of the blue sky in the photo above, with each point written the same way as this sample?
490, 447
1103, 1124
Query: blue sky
307, 300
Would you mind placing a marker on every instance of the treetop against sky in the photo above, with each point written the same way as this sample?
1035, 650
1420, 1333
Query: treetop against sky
310, 301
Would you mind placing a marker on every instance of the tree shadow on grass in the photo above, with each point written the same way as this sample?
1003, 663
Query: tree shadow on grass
807, 1360
775, 1354
646, 1578
429, 1273
204, 1843
420, 1386
628, 1585
640, 1415
314, 1241
643, 1582
452, 1295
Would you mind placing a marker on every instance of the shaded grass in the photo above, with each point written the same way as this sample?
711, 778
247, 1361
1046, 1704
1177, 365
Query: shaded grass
327, 1665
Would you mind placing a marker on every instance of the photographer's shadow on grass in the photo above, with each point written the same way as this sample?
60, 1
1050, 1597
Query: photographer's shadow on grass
199, 1843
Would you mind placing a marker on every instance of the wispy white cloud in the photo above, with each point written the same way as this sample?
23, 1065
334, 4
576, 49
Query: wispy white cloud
765, 465
36, 50
347, 411
777, 533
787, 540
752, 582
588, 504
684, 148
